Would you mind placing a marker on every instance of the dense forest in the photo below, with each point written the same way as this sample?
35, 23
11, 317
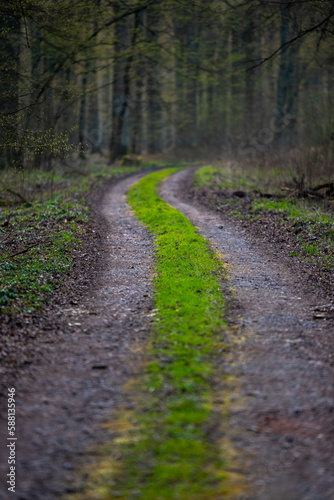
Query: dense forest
167, 249
217, 79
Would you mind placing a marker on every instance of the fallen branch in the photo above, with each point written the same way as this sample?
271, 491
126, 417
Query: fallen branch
303, 193
311, 193
329, 185
27, 248
15, 193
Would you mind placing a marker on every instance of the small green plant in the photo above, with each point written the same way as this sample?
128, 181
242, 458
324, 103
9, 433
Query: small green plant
205, 176
311, 249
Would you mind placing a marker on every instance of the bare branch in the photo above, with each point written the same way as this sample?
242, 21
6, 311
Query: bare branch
289, 42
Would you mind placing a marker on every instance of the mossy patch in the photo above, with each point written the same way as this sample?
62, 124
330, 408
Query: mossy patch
174, 449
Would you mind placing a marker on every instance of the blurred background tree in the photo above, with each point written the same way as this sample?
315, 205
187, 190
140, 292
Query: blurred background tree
197, 78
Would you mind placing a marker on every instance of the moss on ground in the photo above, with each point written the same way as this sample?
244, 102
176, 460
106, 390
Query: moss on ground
173, 450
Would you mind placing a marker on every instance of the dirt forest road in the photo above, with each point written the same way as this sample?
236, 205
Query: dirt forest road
282, 414
284, 361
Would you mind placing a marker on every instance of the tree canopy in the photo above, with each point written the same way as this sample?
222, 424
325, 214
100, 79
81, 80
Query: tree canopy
236, 77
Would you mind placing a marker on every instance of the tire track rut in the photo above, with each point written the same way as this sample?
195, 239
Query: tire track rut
284, 423
77, 383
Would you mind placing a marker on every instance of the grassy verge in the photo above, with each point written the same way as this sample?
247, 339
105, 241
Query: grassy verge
233, 177
174, 451
189, 321
42, 221
307, 226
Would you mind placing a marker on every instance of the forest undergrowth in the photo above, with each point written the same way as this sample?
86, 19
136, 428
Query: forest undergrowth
43, 217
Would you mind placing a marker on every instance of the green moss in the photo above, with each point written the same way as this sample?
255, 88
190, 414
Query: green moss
171, 455
311, 249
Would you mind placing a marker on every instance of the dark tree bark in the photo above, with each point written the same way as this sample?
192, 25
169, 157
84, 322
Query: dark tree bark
137, 104
192, 78
83, 110
11, 151
186, 77
94, 114
34, 119
179, 83
249, 78
153, 86
137, 95
122, 87
288, 82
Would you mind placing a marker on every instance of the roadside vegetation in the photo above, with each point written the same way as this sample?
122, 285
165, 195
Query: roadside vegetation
173, 450
43, 218
302, 218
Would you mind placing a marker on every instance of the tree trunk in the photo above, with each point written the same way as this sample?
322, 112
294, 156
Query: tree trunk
11, 151
83, 111
287, 84
249, 79
137, 104
94, 115
192, 87
153, 88
121, 106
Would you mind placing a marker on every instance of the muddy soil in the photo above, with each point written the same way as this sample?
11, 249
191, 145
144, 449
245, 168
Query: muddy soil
282, 418
79, 363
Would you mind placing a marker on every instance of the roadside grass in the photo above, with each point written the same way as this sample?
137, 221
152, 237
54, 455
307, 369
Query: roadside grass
174, 451
42, 220
311, 221
20, 187
233, 177
301, 210
312, 224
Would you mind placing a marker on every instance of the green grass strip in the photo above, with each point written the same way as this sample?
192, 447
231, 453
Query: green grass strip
175, 456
